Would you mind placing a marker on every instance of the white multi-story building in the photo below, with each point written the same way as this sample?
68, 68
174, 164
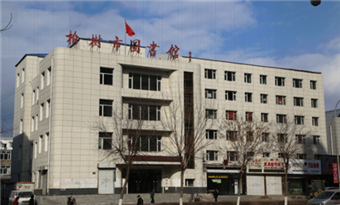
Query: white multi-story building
58, 95
333, 131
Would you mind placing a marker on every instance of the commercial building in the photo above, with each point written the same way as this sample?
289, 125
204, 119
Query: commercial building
58, 96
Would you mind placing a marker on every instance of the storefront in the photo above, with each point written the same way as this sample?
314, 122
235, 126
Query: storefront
226, 181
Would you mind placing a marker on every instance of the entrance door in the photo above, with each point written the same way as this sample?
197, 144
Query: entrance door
106, 181
44, 182
145, 180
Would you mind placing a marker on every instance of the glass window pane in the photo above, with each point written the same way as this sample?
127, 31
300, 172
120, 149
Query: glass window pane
136, 81
153, 82
145, 82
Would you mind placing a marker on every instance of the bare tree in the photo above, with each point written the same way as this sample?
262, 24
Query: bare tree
8, 26
246, 138
125, 134
188, 122
290, 139
5, 128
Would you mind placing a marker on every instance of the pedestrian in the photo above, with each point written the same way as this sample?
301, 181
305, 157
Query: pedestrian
215, 193
152, 196
16, 201
31, 202
140, 200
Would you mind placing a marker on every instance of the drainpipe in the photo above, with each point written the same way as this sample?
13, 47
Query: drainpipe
49, 128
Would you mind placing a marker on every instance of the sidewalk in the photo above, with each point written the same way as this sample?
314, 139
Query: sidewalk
159, 199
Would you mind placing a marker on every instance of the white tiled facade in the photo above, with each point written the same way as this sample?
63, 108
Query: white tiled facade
57, 99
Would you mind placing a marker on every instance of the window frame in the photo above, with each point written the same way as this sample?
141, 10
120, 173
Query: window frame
211, 134
103, 138
283, 99
316, 139
247, 77
248, 97
229, 76
211, 112
298, 101
299, 119
232, 156
263, 79
232, 94
281, 118
297, 83
280, 81
104, 76
209, 73
210, 93
313, 84
315, 121
264, 98
211, 154
105, 108
264, 117
314, 103
134, 78
234, 114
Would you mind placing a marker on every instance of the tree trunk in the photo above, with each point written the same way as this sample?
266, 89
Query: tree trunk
181, 195
286, 181
239, 188
124, 186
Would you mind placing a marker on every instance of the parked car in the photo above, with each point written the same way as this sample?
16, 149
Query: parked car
24, 197
330, 187
326, 197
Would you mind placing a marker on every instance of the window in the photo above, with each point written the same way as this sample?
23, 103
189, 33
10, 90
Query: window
280, 100
189, 182
22, 100
32, 124
145, 82
211, 134
229, 76
297, 83
232, 156
316, 140
301, 156
106, 76
145, 112
314, 103
231, 115
281, 118
264, 117
230, 95
210, 74
280, 155
41, 111
247, 78
279, 81
317, 157
21, 127
264, 98
18, 79
250, 136
248, 97
249, 116
105, 108
35, 149
47, 135
5, 170
282, 138
298, 101
315, 121
23, 75
5, 155
263, 79
105, 140
40, 143
250, 155
148, 143
265, 137
300, 139
37, 95
47, 108
313, 85
48, 76
231, 135
212, 155
266, 155
33, 97
42, 80
299, 120
36, 121
211, 114
210, 94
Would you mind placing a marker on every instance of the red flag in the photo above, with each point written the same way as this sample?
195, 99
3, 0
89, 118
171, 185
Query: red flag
129, 30
335, 173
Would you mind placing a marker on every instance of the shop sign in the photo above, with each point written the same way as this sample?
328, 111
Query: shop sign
327, 162
218, 176
266, 163
301, 166
335, 173
155, 158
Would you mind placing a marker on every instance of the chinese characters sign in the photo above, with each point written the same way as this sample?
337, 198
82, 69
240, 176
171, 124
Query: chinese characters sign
300, 166
335, 173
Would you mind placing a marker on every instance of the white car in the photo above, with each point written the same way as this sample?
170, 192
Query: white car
24, 197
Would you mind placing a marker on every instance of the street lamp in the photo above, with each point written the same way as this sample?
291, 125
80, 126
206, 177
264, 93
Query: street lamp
336, 139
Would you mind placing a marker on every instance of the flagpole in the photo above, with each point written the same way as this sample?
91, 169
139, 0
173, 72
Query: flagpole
125, 36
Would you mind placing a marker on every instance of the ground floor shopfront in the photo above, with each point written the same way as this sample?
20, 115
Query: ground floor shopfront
225, 181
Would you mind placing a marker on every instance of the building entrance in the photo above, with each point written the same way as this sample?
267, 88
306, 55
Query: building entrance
145, 180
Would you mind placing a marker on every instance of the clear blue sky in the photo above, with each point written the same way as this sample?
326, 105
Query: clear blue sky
289, 34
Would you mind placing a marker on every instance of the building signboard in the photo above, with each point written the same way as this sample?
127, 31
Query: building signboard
262, 164
302, 166
327, 162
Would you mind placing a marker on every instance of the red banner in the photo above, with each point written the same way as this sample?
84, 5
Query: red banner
335, 173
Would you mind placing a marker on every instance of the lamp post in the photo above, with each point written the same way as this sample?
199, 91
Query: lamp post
336, 139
